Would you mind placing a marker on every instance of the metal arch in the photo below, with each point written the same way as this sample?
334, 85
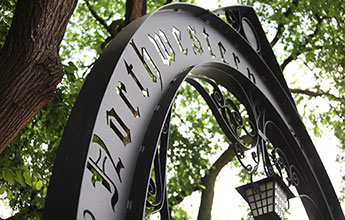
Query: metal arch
104, 141
286, 157
233, 15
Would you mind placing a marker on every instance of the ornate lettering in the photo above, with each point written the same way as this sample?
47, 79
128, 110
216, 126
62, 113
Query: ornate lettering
251, 76
206, 35
222, 52
89, 213
96, 139
121, 89
125, 139
177, 35
129, 68
163, 47
148, 63
118, 168
97, 168
236, 60
197, 48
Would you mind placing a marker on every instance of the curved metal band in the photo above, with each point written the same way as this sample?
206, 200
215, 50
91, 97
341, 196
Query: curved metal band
136, 76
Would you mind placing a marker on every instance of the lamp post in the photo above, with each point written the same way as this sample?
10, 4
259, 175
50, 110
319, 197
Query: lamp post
267, 198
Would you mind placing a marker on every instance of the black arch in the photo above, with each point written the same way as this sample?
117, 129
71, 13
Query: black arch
236, 65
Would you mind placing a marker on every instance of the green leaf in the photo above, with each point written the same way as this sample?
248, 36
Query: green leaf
45, 192
9, 194
2, 189
27, 178
34, 179
70, 68
20, 177
8, 176
38, 185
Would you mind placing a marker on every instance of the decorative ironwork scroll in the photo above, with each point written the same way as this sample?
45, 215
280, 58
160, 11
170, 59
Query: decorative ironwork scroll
111, 163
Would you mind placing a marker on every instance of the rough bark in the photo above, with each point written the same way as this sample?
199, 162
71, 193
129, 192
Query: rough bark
134, 9
29, 62
209, 180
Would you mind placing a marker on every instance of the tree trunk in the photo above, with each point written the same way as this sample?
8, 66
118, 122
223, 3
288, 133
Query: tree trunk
134, 9
29, 62
209, 181
207, 195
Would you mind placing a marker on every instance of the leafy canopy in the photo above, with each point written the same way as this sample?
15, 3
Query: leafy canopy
310, 33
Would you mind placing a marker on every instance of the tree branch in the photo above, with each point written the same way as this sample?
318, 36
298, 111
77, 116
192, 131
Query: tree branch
214, 170
113, 29
222, 160
134, 9
319, 93
180, 198
339, 114
30, 66
302, 47
97, 17
281, 28
279, 33
288, 60
209, 181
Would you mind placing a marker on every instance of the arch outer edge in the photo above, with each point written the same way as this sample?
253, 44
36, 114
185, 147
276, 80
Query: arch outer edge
130, 77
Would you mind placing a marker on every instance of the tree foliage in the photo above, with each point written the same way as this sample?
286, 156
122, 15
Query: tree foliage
310, 33
6, 13
26, 164
192, 140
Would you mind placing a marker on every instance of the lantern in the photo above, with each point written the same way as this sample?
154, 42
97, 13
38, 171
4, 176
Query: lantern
267, 198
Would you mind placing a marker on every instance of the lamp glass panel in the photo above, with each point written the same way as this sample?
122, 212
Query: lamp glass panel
260, 211
257, 196
251, 199
265, 198
270, 200
264, 195
264, 202
269, 185
249, 192
270, 193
